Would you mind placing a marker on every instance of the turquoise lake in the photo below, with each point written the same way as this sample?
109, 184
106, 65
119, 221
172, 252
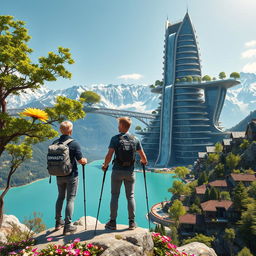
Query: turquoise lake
41, 196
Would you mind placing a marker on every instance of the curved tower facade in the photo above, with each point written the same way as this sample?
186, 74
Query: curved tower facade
188, 117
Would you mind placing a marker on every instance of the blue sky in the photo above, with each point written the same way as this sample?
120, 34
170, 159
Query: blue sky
117, 41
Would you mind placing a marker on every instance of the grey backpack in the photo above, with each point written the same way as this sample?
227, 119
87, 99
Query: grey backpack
58, 159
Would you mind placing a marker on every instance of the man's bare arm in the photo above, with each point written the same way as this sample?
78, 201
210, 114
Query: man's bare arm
108, 159
143, 158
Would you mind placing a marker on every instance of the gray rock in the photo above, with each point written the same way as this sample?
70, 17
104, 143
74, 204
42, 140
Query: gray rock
8, 222
121, 242
199, 249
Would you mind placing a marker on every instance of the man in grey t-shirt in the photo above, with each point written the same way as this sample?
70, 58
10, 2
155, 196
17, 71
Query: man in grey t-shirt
123, 171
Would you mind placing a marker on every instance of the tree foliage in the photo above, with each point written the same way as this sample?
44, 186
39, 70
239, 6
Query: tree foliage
203, 178
232, 161
179, 188
206, 78
176, 210
181, 172
18, 73
240, 196
235, 75
222, 75
89, 97
207, 240
245, 252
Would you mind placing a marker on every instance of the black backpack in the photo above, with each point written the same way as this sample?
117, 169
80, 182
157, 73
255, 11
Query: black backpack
126, 150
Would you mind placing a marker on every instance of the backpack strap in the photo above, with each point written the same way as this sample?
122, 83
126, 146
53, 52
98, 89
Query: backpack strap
66, 142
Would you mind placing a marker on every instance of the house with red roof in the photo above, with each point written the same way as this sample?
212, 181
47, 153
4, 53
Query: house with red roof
246, 179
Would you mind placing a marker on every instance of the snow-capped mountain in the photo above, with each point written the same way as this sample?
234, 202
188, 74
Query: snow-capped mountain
240, 101
129, 97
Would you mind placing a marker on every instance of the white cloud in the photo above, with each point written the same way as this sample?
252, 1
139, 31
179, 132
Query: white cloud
130, 76
250, 67
250, 43
249, 54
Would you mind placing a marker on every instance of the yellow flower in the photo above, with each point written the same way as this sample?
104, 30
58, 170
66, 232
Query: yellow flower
36, 114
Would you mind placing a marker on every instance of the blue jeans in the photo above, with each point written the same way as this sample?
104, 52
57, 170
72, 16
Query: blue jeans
117, 178
67, 187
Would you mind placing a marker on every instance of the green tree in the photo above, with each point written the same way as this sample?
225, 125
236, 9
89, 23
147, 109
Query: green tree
218, 147
203, 178
214, 194
195, 79
247, 225
177, 80
158, 83
189, 79
235, 75
244, 145
176, 210
240, 196
245, 252
224, 195
207, 194
89, 97
207, 240
219, 170
18, 73
213, 158
138, 128
230, 236
181, 172
232, 161
195, 209
179, 188
206, 78
174, 235
222, 75
183, 79
252, 190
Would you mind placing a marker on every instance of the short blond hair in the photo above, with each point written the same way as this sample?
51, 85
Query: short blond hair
125, 121
66, 127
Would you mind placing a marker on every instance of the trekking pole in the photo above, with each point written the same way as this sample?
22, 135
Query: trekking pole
85, 223
103, 181
144, 173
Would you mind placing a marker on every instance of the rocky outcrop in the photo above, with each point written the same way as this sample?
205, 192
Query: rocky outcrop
119, 242
10, 221
199, 249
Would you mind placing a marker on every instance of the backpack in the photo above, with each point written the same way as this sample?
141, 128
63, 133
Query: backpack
58, 159
126, 150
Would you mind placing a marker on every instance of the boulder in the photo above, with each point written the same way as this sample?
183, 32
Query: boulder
199, 249
9, 221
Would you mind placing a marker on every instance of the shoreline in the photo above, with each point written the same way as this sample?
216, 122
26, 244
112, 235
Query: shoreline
47, 177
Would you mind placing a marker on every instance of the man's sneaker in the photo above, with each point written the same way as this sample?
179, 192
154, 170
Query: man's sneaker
132, 225
111, 225
59, 224
69, 229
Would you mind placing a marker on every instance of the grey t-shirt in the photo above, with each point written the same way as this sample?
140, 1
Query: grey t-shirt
114, 143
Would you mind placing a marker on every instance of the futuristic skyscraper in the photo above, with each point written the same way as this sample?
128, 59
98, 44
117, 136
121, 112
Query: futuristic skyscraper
188, 118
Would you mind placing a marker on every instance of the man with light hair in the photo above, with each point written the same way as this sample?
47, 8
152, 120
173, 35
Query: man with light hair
67, 185
125, 146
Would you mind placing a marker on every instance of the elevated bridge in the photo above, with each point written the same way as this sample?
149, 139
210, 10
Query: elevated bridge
143, 117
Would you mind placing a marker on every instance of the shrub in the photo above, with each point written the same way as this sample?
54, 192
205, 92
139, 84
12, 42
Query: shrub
235, 75
207, 240
163, 246
206, 78
76, 248
222, 75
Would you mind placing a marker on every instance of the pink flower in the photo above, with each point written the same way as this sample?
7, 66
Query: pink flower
49, 239
86, 253
58, 251
77, 240
34, 250
167, 238
89, 246
171, 246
